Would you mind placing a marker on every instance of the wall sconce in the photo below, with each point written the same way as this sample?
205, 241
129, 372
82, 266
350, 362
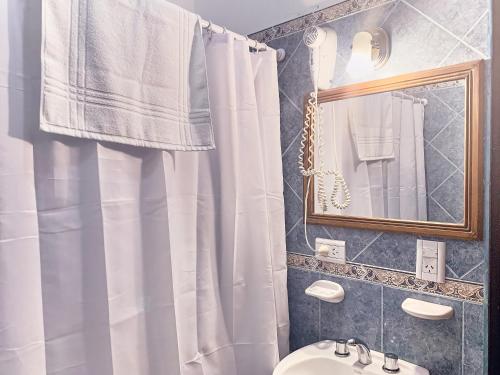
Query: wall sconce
370, 51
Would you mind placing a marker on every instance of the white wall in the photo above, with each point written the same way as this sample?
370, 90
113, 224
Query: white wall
248, 16
186, 4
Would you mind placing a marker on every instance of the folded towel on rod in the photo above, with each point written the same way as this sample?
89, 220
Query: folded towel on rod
125, 71
370, 121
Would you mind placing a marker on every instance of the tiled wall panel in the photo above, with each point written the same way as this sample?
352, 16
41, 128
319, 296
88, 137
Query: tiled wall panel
425, 34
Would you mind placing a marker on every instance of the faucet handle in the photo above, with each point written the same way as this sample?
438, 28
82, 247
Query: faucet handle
391, 365
341, 349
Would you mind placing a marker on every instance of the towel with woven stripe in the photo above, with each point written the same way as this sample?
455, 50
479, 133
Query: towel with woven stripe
125, 71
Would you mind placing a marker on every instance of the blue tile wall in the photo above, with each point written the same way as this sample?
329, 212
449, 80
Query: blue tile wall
304, 310
425, 34
359, 315
473, 339
435, 345
444, 153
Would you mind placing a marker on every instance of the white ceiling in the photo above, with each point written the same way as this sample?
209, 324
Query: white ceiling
248, 16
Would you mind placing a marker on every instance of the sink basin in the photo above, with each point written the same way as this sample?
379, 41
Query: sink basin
319, 359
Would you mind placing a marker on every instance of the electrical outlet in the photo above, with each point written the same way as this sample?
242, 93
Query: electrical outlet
431, 261
330, 250
429, 265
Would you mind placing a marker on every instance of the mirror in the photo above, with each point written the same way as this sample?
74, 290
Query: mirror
409, 149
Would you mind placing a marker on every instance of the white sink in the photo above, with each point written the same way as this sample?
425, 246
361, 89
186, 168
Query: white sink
319, 359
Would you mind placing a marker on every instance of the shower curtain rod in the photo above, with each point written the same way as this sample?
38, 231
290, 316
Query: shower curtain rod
219, 30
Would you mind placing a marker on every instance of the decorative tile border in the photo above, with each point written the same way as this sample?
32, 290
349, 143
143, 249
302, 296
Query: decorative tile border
331, 13
462, 290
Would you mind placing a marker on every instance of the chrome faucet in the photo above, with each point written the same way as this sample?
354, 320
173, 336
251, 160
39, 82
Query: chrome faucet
364, 355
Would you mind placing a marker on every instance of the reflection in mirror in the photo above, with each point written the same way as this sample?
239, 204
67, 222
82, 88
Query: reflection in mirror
409, 149
401, 153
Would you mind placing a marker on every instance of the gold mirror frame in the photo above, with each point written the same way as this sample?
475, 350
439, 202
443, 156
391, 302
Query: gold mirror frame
471, 228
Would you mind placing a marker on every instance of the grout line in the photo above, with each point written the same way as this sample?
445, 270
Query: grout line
367, 246
445, 29
327, 233
441, 63
291, 143
443, 155
442, 183
465, 35
289, 58
477, 22
445, 210
456, 115
389, 14
472, 269
291, 101
463, 336
453, 272
299, 132
382, 318
293, 227
319, 319
293, 191
432, 92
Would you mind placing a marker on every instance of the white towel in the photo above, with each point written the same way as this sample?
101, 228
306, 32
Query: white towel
370, 121
126, 71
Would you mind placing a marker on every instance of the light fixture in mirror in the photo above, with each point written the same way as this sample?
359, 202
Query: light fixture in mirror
370, 51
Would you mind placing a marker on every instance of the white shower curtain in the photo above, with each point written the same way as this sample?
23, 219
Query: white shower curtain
117, 260
393, 187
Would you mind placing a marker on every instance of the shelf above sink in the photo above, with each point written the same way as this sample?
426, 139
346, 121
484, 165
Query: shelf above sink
426, 310
327, 291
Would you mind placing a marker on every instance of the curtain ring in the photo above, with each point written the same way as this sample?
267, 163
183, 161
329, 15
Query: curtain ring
248, 40
210, 29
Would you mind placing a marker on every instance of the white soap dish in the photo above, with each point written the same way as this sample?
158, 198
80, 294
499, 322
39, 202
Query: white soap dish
327, 291
426, 310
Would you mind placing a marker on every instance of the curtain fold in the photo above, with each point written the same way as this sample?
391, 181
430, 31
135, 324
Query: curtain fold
117, 260
392, 187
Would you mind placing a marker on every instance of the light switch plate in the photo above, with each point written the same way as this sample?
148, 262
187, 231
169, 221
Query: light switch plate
431, 261
336, 250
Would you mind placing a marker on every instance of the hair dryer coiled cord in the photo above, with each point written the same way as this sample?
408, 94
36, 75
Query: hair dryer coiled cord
309, 130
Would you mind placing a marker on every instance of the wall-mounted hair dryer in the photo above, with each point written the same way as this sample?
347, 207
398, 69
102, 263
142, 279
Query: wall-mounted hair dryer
323, 55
